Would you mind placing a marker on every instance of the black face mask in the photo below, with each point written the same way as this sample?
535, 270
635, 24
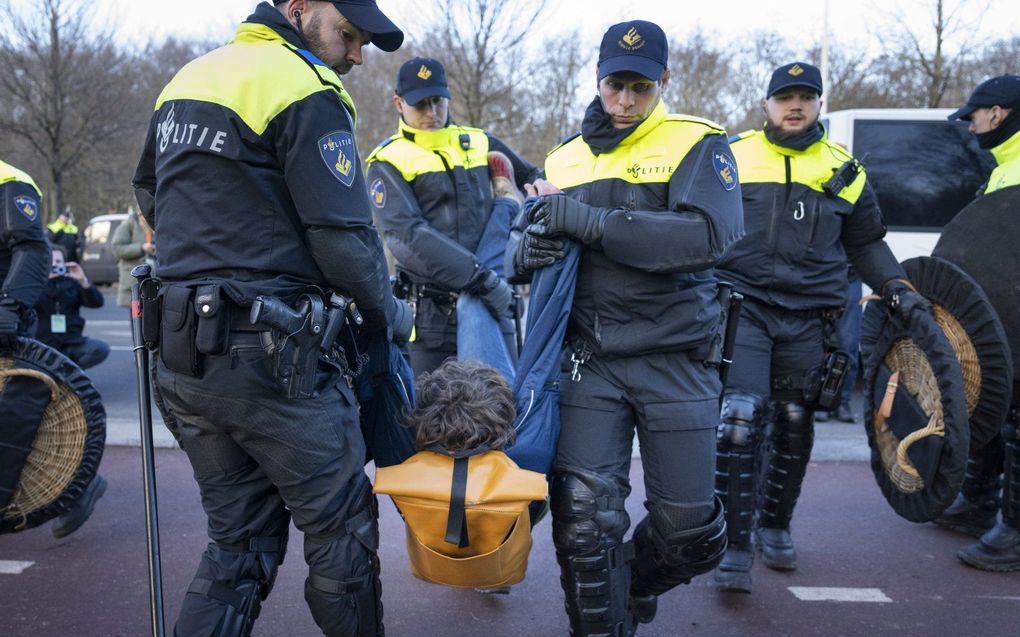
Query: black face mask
597, 129
800, 141
1006, 129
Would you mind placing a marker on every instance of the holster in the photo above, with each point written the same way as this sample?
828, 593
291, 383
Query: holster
178, 330
295, 354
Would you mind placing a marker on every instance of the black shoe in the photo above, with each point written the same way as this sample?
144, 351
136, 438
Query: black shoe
822, 416
968, 517
643, 608
998, 550
80, 511
845, 414
777, 550
733, 575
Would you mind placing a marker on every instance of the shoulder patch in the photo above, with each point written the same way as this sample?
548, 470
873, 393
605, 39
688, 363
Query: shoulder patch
377, 192
337, 150
27, 206
725, 168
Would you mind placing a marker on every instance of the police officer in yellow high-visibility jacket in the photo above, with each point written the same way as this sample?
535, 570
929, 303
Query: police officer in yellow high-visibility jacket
250, 177
654, 200
24, 252
430, 186
993, 110
808, 209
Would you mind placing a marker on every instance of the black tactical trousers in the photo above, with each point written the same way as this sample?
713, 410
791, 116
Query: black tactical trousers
673, 403
257, 455
774, 352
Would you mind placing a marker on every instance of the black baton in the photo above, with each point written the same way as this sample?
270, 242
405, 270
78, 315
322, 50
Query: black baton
143, 274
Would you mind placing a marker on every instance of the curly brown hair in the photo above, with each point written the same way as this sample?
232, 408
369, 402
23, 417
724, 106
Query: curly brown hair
463, 405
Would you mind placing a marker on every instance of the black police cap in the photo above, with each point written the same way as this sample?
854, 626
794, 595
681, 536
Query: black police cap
365, 14
795, 74
420, 78
636, 46
1003, 90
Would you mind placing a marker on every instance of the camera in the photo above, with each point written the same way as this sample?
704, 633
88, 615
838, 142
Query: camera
60, 269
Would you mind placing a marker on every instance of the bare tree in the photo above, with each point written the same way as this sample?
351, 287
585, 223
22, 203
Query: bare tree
936, 57
65, 88
482, 49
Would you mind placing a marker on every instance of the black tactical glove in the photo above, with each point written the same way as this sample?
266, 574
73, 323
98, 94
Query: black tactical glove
10, 321
403, 320
561, 215
535, 252
493, 291
899, 296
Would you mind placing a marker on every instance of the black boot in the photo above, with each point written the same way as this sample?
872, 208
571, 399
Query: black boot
735, 484
789, 453
998, 550
71, 521
777, 550
976, 508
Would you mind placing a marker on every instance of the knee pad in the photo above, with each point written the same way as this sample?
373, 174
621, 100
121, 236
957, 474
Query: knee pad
226, 595
343, 590
794, 430
742, 416
588, 511
667, 558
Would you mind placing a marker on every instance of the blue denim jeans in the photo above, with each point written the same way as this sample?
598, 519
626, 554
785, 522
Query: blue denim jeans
848, 332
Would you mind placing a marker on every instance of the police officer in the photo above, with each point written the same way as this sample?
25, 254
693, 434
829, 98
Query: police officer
993, 110
62, 232
250, 177
808, 208
430, 184
24, 270
24, 253
654, 201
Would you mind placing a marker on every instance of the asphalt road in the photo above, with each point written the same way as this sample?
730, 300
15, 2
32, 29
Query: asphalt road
862, 570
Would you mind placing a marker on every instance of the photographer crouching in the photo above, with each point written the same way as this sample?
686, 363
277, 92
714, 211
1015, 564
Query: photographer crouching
59, 321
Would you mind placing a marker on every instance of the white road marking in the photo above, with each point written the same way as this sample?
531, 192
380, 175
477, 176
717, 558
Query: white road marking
122, 348
834, 594
13, 567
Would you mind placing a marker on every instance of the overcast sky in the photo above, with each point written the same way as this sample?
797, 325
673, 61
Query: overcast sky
800, 22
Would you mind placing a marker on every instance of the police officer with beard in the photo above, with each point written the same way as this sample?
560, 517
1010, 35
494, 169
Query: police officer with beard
24, 252
993, 110
251, 178
653, 199
808, 208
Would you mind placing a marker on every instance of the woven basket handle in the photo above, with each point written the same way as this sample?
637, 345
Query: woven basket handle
31, 373
934, 428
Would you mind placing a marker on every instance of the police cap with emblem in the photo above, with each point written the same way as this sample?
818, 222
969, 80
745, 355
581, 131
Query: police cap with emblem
421, 78
636, 46
365, 14
795, 74
1003, 90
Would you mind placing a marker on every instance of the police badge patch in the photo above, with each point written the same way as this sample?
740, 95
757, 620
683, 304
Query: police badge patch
338, 151
726, 169
27, 206
378, 193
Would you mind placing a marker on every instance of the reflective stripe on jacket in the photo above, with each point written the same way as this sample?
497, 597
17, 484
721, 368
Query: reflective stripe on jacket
795, 251
651, 287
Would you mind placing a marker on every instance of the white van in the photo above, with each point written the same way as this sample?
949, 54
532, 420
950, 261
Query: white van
923, 168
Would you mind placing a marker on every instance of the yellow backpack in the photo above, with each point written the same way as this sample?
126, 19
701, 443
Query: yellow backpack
467, 518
